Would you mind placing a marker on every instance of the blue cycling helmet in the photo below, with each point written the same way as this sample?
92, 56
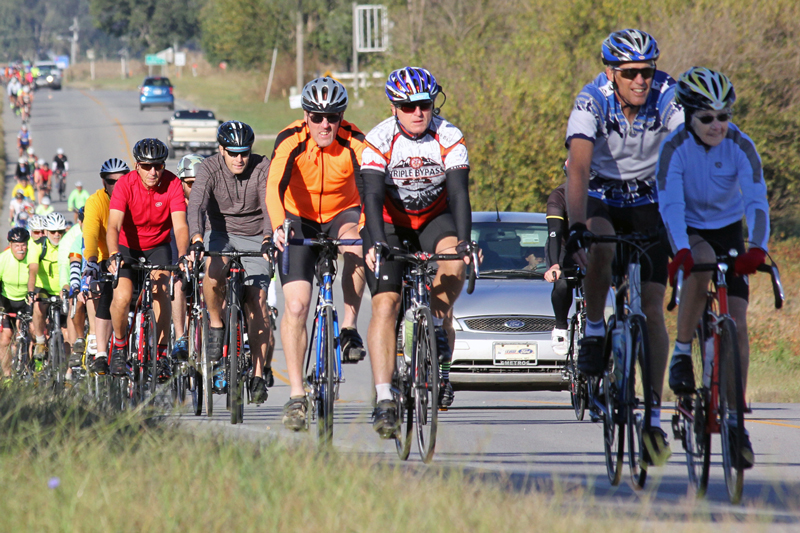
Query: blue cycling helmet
411, 84
629, 46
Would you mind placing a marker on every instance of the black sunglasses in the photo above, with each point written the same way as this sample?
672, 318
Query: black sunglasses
410, 108
59, 231
234, 155
631, 73
317, 118
149, 166
110, 182
708, 119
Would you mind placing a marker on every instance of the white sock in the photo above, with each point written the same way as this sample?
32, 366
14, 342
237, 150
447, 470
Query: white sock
683, 347
655, 418
40, 339
102, 354
384, 391
595, 329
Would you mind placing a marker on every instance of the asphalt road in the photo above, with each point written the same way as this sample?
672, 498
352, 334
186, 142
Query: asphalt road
528, 439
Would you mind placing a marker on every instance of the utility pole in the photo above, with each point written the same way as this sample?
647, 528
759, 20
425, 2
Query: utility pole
299, 46
73, 49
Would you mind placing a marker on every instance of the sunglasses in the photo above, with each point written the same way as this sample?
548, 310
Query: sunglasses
317, 118
234, 155
410, 108
708, 119
111, 182
147, 167
59, 231
631, 73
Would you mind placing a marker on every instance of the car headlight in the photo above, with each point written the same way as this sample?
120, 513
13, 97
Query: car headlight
49, 79
456, 325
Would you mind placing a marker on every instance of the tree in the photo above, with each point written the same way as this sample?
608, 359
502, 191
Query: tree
151, 24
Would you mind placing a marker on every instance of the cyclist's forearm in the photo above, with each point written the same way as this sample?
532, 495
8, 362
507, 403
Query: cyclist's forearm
374, 193
458, 195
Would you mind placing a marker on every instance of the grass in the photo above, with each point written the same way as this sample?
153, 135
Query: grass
73, 466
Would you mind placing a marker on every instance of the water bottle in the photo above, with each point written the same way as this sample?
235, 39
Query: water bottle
138, 329
708, 361
618, 350
408, 334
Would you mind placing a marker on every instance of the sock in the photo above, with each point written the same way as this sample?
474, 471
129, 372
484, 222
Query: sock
119, 343
162, 350
655, 417
595, 329
384, 391
40, 339
683, 348
102, 354
444, 370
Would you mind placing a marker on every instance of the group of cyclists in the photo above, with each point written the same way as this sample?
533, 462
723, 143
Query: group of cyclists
645, 153
20, 88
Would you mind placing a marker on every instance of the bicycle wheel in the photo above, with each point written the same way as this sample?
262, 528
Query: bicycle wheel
195, 377
691, 423
401, 390
57, 360
326, 375
207, 378
234, 352
151, 350
731, 408
638, 400
613, 421
426, 384
577, 384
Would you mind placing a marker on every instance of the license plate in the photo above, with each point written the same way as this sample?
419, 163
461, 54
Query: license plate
515, 354
156, 91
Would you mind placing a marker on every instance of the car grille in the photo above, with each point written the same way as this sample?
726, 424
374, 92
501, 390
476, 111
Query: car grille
499, 324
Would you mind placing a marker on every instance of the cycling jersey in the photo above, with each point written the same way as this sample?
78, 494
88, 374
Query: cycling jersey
147, 220
69, 247
24, 138
313, 183
624, 151
413, 173
44, 175
232, 204
77, 199
59, 163
23, 170
14, 275
710, 188
95, 222
18, 206
49, 276
27, 191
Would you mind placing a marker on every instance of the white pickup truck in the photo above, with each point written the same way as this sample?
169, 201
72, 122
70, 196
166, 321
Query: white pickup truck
192, 131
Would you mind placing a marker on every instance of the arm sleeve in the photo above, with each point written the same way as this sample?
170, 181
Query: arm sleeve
556, 229
198, 200
457, 181
754, 194
373, 196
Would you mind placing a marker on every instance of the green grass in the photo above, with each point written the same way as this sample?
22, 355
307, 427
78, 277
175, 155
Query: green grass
68, 465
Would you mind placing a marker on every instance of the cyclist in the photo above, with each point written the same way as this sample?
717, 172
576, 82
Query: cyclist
709, 177
415, 173
614, 131
41, 177
95, 222
36, 227
227, 211
23, 184
19, 208
146, 204
44, 254
23, 139
70, 261
312, 182
555, 257
77, 199
14, 277
12, 89
44, 208
60, 163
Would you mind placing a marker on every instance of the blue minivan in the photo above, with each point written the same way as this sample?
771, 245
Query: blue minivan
156, 91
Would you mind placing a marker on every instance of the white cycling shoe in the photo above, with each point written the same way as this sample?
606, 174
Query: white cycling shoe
560, 341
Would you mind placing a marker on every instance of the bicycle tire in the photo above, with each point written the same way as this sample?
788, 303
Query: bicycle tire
692, 424
577, 384
613, 432
151, 345
57, 360
731, 396
136, 354
195, 361
638, 407
234, 347
402, 396
207, 369
326, 378
426, 384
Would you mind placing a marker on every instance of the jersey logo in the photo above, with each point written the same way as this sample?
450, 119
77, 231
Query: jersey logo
553, 234
416, 162
159, 204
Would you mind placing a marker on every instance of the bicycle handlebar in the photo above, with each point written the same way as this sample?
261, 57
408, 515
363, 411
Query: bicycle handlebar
421, 258
321, 240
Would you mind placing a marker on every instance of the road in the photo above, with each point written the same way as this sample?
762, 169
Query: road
530, 439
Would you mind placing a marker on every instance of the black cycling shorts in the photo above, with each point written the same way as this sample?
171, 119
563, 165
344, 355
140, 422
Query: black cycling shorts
424, 239
160, 255
722, 240
103, 304
12, 306
641, 219
303, 259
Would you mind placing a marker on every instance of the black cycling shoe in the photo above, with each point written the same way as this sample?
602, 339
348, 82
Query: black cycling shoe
99, 365
119, 363
591, 356
164, 369
76, 355
681, 374
269, 378
446, 394
384, 419
743, 453
258, 390
443, 345
214, 346
352, 346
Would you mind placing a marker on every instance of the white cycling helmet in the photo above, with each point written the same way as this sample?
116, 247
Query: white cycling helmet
55, 222
60, 151
36, 223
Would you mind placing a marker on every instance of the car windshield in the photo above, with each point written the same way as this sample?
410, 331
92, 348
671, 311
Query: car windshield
45, 69
196, 115
157, 82
511, 248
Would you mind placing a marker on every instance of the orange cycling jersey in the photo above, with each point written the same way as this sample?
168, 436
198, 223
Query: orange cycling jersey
312, 182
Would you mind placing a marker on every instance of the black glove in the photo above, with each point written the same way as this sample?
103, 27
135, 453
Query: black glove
464, 248
267, 246
197, 247
578, 238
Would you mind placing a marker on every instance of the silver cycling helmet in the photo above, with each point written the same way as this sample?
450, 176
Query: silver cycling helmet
324, 95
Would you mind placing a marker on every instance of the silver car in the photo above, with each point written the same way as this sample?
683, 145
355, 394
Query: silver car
503, 328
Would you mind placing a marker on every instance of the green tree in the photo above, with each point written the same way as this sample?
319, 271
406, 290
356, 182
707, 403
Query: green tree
151, 24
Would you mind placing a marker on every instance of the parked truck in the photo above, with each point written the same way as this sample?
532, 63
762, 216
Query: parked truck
192, 131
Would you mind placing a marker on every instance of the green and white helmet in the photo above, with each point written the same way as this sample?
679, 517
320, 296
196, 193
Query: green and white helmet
700, 89
189, 165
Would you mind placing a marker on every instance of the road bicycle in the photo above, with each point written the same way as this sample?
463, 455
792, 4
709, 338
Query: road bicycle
416, 377
188, 375
717, 406
578, 385
60, 178
54, 368
623, 395
21, 364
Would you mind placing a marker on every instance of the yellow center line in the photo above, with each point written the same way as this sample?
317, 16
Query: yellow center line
772, 423
280, 376
540, 402
115, 119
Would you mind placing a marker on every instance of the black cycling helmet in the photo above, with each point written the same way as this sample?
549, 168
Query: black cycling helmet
114, 166
235, 136
18, 235
150, 151
324, 95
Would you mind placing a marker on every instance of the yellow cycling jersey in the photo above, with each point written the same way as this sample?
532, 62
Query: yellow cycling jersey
95, 222
49, 275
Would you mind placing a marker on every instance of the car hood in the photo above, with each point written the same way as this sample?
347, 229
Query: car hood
505, 297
